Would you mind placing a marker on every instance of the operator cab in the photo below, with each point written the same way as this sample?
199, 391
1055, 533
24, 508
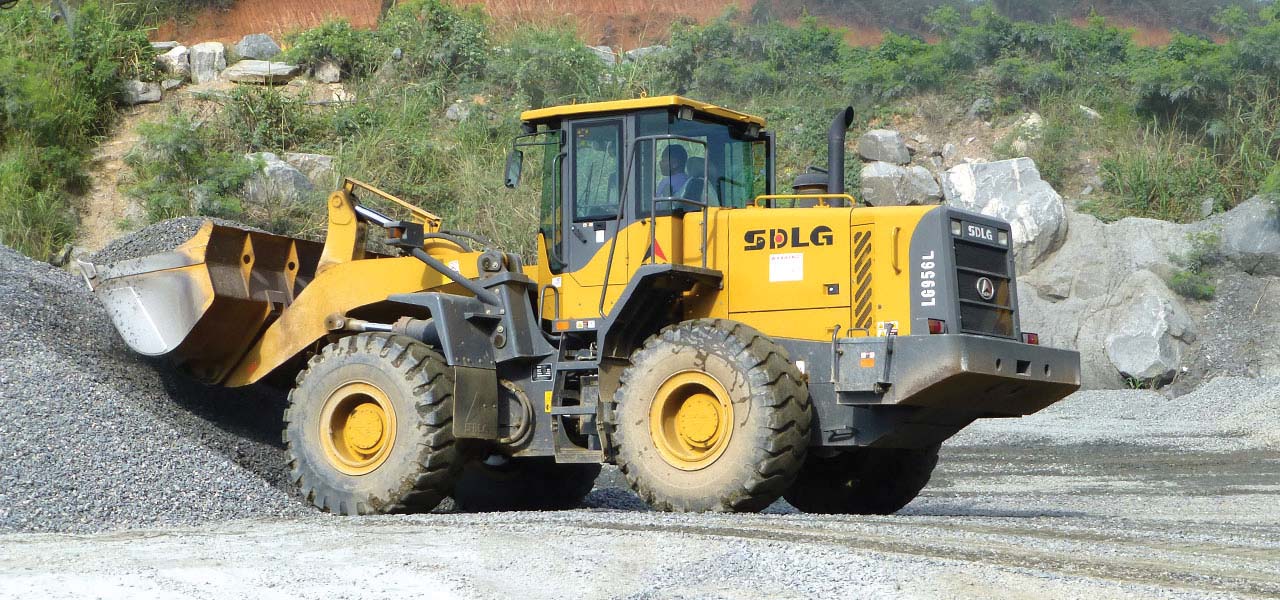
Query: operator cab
605, 165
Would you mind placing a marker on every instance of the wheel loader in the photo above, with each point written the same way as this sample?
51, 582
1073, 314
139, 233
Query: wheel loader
724, 344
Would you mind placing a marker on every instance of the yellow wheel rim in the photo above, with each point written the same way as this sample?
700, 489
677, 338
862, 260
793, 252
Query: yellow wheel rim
691, 420
357, 428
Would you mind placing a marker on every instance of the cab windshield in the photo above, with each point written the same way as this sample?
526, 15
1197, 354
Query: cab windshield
727, 168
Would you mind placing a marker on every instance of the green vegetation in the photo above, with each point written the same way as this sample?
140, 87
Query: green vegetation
355, 51
58, 90
1193, 279
1178, 124
177, 174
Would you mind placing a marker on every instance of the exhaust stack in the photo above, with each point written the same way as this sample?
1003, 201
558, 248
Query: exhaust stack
835, 150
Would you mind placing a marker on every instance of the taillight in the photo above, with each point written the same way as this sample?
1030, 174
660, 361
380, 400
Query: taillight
1031, 338
937, 326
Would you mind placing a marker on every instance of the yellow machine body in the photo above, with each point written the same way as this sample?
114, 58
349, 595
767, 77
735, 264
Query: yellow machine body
817, 267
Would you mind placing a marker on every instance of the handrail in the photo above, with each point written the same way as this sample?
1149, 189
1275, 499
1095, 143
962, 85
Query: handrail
821, 198
428, 220
653, 233
654, 200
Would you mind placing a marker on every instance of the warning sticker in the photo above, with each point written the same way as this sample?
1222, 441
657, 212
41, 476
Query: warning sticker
886, 328
867, 360
786, 267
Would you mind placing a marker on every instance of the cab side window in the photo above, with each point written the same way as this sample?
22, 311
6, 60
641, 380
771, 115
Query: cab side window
597, 170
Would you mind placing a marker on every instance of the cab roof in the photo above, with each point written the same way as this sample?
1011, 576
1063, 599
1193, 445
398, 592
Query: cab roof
615, 106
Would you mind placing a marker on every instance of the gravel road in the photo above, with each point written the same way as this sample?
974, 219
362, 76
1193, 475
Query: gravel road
1060, 518
120, 479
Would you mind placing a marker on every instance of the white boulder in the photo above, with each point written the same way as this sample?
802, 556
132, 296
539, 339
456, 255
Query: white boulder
884, 145
1013, 191
141, 92
175, 63
260, 71
207, 61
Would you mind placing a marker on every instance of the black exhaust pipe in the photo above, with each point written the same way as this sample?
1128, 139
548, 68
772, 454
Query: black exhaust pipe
835, 150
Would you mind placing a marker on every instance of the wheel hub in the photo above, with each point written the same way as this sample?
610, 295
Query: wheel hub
363, 429
698, 420
691, 420
357, 426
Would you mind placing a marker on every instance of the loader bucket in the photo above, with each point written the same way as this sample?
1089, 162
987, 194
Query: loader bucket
204, 304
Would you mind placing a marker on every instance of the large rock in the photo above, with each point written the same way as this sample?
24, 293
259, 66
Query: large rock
327, 72
164, 46
317, 167
278, 183
1096, 257
885, 184
258, 46
1149, 330
640, 54
207, 61
141, 92
1251, 236
883, 145
458, 111
981, 109
605, 54
1139, 331
260, 71
1012, 190
175, 63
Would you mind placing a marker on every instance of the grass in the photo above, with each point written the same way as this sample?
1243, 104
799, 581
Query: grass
1193, 279
1160, 174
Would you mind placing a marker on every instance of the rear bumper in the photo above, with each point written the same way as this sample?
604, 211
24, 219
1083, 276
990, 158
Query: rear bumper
979, 375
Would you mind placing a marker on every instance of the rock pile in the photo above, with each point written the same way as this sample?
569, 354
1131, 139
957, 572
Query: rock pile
1105, 293
94, 437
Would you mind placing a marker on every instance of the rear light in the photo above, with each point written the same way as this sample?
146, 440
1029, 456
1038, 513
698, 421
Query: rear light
1031, 338
937, 326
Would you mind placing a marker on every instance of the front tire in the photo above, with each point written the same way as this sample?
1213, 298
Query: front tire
865, 481
369, 428
710, 416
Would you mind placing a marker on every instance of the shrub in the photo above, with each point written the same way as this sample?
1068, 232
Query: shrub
437, 39
57, 94
35, 218
264, 118
1271, 185
548, 66
356, 51
179, 174
1028, 79
1193, 279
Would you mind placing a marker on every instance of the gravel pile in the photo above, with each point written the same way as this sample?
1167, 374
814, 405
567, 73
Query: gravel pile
160, 237
94, 437
1224, 415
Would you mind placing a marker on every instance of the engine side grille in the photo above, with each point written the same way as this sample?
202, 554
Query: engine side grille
862, 317
978, 315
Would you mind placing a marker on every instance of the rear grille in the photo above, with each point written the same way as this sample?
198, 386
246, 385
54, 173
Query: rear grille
982, 316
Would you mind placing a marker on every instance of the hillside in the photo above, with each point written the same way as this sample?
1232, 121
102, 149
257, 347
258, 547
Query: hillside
633, 23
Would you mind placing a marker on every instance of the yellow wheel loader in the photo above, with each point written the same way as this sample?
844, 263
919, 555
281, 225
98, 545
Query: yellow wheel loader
724, 344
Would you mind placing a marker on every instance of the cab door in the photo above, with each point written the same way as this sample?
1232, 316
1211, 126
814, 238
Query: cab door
594, 192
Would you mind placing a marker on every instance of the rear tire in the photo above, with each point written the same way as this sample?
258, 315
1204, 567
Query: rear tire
369, 428
866, 481
710, 416
523, 484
